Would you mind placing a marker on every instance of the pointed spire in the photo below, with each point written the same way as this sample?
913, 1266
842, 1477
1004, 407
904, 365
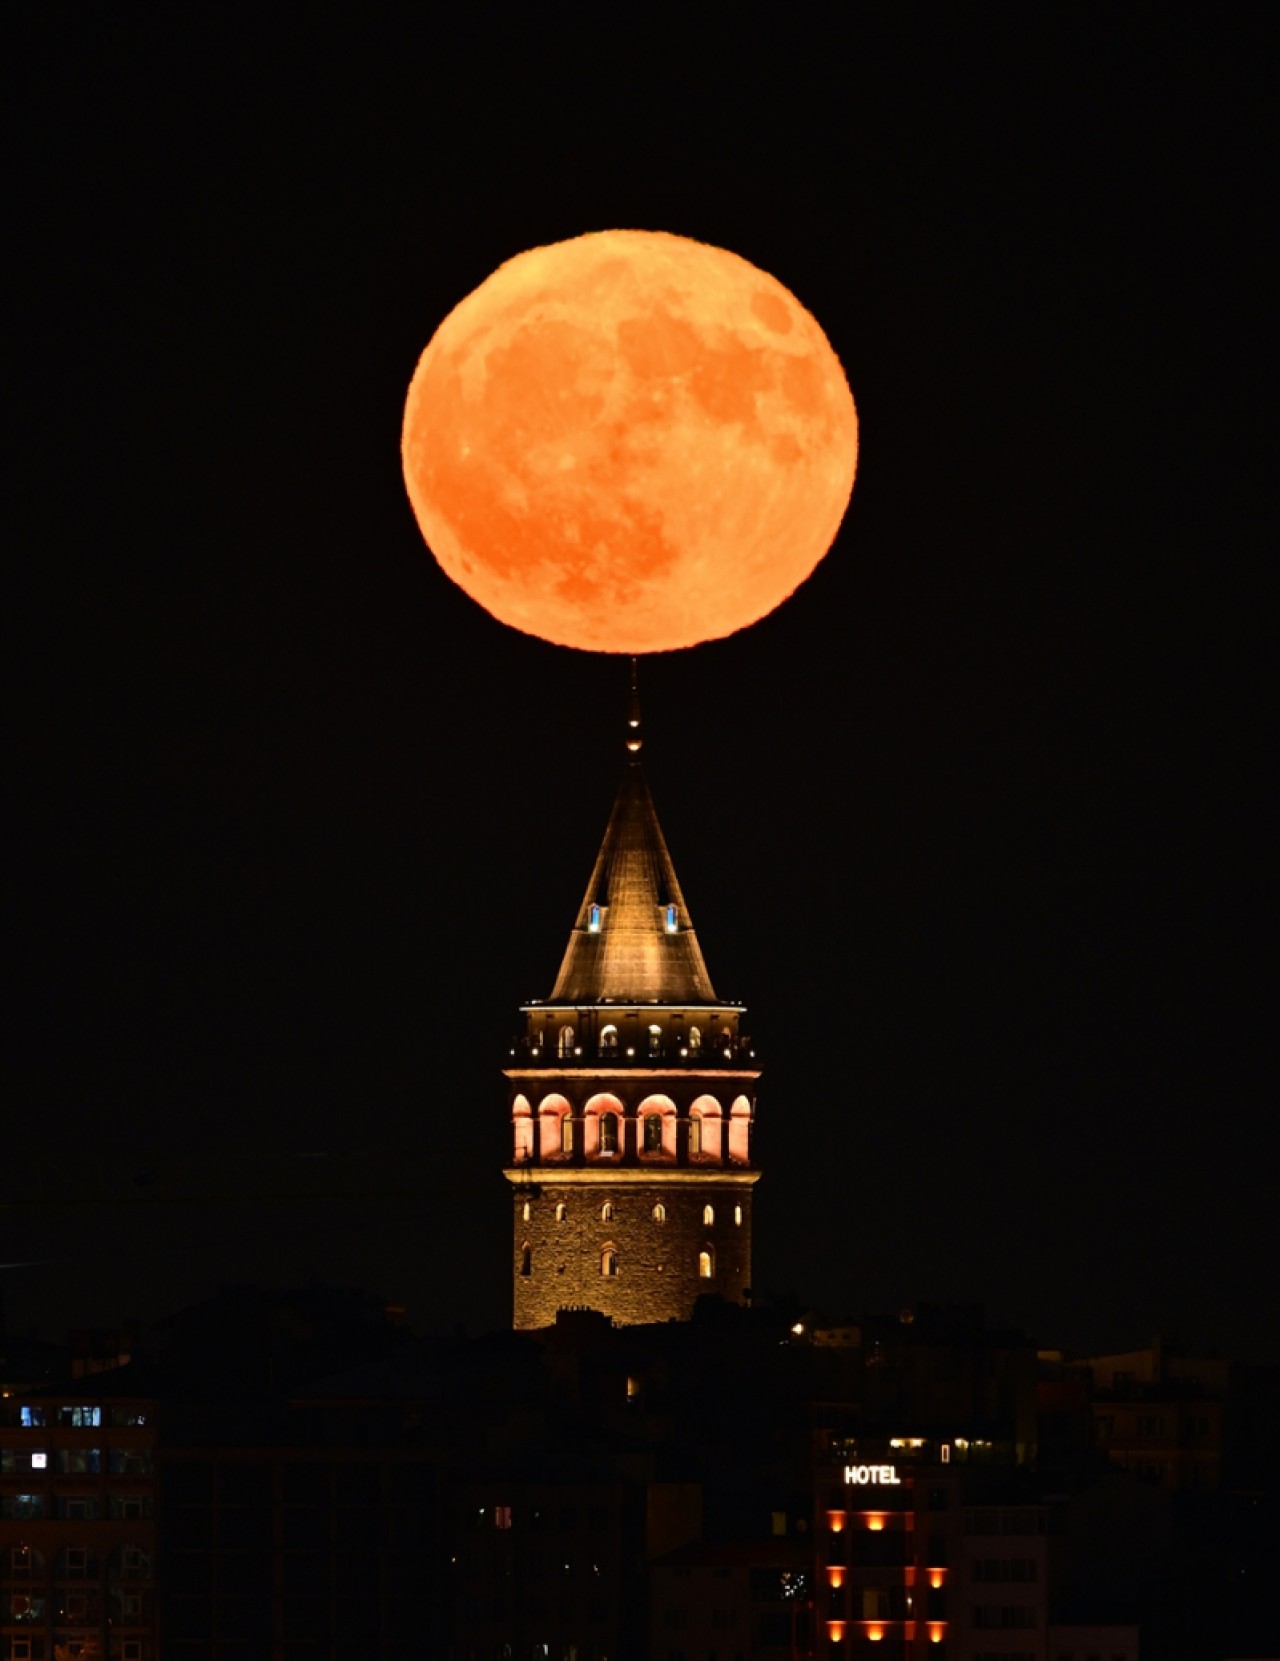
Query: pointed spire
635, 741
633, 941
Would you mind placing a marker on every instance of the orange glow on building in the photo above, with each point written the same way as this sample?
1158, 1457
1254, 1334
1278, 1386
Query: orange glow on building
835, 1631
875, 1521
835, 1576
937, 1631
629, 442
936, 1578
875, 1633
836, 1521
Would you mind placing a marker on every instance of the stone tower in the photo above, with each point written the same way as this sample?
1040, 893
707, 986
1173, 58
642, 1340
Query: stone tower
632, 1098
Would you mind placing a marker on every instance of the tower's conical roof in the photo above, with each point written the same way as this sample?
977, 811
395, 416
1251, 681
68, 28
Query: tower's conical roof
633, 941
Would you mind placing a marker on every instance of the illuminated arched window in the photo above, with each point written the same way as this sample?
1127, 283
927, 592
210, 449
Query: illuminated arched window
522, 1128
528, 1209
695, 1040
562, 1211
606, 1212
659, 1213
555, 1127
706, 1264
740, 1131
609, 1040
658, 1129
655, 1040
708, 1215
567, 1036
672, 921
609, 1262
608, 1133
593, 919
737, 1215
706, 1140
526, 1259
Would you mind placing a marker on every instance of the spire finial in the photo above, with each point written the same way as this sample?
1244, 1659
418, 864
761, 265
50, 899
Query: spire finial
634, 740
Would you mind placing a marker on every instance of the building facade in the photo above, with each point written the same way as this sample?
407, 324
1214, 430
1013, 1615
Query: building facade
632, 1102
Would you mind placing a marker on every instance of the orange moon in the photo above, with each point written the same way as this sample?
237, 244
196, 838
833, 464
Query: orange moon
629, 442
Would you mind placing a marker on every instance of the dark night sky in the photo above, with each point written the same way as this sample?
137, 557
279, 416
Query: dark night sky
974, 824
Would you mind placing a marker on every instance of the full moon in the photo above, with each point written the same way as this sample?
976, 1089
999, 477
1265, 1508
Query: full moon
629, 442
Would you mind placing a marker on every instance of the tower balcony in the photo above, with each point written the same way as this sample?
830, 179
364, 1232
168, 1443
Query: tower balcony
732, 1054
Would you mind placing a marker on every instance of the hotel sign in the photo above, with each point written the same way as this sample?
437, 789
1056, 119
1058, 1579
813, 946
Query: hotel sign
875, 1476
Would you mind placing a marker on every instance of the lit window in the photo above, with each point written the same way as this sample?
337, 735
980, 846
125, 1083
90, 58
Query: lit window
606, 1212
708, 1215
671, 919
593, 919
653, 1133
502, 1516
32, 1417
566, 1134
655, 1040
705, 1265
609, 1263
695, 1039
566, 1040
562, 1211
659, 1213
82, 1417
737, 1215
609, 1040
695, 1136
40, 1462
527, 1210
608, 1133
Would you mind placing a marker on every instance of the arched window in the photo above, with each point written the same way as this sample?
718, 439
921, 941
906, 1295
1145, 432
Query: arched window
737, 1215
655, 1040
566, 1039
659, 1213
740, 1131
672, 922
658, 1123
603, 1128
708, 1215
695, 1040
522, 1129
562, 1212
609, 1262
608, 1040
706, 1264
526, 1259
606, 1212
593, 919
528, 1209
706, 1140
555, 1128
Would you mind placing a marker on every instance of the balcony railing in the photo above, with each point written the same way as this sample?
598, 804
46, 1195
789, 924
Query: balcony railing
738, 1053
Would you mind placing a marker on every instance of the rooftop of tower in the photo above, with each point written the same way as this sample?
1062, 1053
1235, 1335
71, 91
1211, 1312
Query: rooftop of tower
633, 939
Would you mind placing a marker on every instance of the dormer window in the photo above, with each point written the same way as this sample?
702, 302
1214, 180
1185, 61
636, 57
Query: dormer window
671, 918
593, 919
